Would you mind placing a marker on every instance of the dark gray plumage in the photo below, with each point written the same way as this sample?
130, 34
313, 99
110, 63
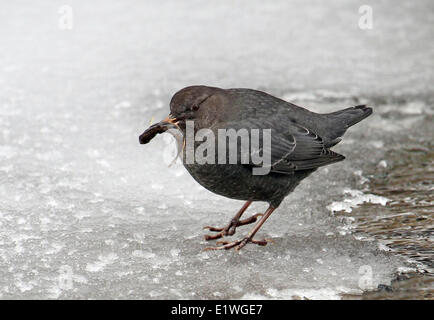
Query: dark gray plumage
300, 142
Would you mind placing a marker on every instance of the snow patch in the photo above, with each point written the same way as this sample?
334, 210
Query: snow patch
356, 198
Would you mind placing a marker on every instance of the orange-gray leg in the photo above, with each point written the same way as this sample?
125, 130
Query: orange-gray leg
238, 244
235, 222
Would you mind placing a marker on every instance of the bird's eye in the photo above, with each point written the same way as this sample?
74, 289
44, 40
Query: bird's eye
195, 107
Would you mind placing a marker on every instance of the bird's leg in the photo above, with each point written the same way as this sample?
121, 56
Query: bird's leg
229, 229
238, 244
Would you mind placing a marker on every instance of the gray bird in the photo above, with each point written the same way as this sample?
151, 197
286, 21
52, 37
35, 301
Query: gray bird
300, 143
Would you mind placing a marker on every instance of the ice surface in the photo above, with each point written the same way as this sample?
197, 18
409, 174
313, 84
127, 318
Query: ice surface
87, 212
356, 198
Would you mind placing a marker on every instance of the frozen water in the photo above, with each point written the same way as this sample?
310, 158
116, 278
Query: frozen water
86, 212
356, 198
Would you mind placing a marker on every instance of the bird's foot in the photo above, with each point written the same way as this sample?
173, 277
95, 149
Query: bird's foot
238, 244
230, 228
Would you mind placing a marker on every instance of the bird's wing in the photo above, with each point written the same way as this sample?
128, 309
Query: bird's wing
298, 148
293, 146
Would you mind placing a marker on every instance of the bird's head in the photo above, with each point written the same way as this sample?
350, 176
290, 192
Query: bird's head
185, 105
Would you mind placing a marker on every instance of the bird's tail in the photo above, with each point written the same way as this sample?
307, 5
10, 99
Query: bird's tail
340, 121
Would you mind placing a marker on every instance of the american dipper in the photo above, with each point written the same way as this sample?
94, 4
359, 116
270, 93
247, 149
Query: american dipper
300, 143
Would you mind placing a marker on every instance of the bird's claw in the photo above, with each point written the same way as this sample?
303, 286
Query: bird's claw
214, 237
238, 244
213, 228
229, 230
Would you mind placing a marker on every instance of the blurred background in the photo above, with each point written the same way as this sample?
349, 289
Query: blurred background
87, 212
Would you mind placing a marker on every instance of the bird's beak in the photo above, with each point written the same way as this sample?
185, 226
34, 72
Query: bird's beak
156, 128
